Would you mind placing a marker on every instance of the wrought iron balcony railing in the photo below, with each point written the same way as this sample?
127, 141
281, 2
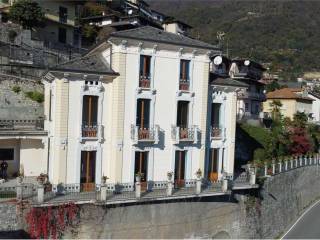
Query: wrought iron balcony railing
184, 134
217, 132
150, 134
184, 85
144, 82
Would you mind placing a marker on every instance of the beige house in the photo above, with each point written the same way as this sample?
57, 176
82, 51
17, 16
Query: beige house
60, 23
293, 100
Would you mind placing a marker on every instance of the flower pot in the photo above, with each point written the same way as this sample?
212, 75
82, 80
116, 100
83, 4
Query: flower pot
138, 178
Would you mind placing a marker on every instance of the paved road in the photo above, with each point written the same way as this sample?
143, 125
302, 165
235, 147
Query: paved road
308, 226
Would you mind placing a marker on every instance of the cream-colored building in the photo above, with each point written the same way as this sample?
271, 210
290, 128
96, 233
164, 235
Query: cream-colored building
141, 102
293, 100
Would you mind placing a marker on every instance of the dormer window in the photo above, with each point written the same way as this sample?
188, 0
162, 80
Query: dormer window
184, 83
145, 71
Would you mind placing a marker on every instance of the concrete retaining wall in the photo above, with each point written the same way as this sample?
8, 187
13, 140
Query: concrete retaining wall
263, 214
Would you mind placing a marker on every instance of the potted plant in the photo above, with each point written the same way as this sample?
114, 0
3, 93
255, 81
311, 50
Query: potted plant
199, 173
169, 175
42, 178
139, 175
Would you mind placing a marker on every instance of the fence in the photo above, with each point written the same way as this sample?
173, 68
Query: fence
283, 165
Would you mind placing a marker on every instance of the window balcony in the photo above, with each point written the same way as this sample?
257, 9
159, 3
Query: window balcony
150, 134
144, 82
184, 85
187, 134
91, 132
217, 132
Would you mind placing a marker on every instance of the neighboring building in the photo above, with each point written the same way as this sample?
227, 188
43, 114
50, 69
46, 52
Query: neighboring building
144, 109
249, 100
315, 106
222, 122
293, 100
61, 26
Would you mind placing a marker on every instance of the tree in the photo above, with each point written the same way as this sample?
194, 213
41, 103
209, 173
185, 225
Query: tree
27, 13
272, 86
276, 114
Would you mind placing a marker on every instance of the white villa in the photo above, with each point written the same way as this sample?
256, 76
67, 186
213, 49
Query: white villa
145, 101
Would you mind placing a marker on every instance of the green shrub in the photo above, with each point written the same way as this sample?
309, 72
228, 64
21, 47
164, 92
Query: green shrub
16, 89
35, 96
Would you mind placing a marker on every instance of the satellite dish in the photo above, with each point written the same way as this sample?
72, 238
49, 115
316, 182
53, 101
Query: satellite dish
217, 60
247, 62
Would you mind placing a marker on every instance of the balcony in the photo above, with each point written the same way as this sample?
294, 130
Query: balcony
144, 82
216, 132
252, 95
184, 85
188, 134
91, 132
150, 134
22, 125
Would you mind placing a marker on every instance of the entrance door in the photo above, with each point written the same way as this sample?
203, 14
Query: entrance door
141, 167
88, 171
213, 164
179, 169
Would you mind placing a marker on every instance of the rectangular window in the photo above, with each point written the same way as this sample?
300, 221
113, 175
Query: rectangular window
145, 71
63, 14
182, 114
185, 70
215, 114
143, 113
62, 35
90, 116
6, 154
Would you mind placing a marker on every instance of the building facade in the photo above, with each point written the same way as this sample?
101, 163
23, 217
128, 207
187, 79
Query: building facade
146, 106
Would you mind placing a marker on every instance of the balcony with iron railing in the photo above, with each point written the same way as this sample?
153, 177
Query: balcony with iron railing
145, 82
216, 132
91, 131
184, 85
145, 134
184, 134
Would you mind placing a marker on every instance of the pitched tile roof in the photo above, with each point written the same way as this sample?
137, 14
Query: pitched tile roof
287, 93
93, 63
148, 33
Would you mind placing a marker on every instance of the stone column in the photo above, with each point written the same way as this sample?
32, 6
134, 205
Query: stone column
198, 185
273, 168
291, 163
19, 188
252, 176
169, 188
103, 192
300, 161
286, 165
305, 160
138, 189
265, 169
296, 161
280, 166
40, 196
224, 185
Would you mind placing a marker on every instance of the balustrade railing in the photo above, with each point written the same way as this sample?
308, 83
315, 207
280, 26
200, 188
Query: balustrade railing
144, 82
184, 85
26, 125
145, 134
184, 134
216, 132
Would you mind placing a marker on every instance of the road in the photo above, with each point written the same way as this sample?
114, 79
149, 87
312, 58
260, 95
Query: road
307, 226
